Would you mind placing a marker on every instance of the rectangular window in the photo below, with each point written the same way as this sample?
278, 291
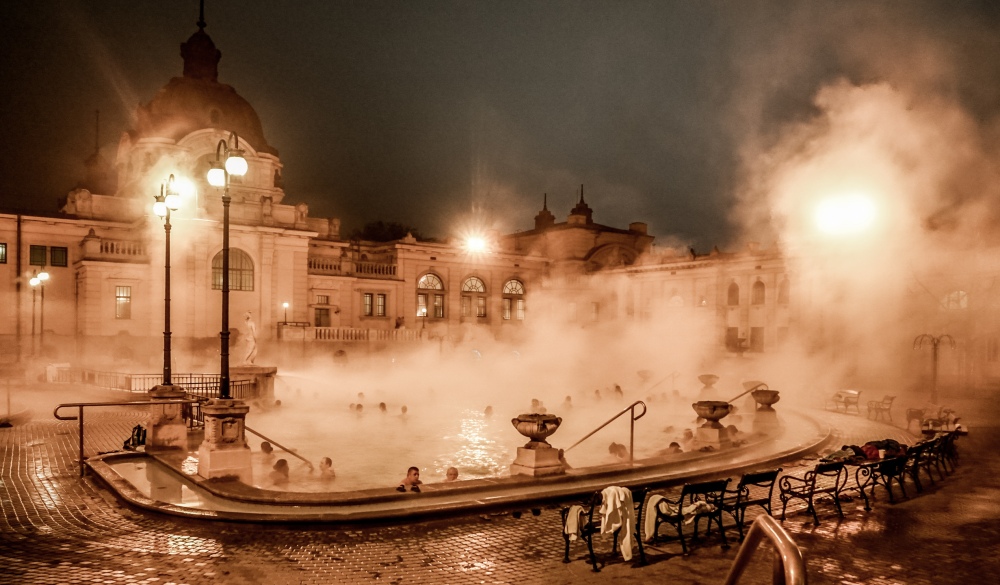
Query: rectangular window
595, 311
422, 305
58, 256
322, 317
505, 310
369, 299
439, 306
380, 305
3, 253
322, 299
733, 338
37, 255
480, 306
123, 302
757, 339
519, 310
466, 306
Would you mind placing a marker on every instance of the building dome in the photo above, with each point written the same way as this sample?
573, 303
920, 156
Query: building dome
197, 100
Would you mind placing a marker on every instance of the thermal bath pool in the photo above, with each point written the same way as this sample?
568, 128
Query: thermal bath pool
373, 449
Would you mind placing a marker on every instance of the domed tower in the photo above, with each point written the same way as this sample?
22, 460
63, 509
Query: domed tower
178, 129
544, 218
581, 213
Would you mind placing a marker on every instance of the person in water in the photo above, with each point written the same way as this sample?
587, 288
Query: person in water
411, 481
451, 474
279, 473
326, 468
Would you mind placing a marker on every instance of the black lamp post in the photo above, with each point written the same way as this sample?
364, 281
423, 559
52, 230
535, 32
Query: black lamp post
935, 342
168, 200
228, 161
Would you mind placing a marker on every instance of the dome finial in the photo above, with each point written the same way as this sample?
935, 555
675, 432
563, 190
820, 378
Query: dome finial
581, 193
201, 15
545, 202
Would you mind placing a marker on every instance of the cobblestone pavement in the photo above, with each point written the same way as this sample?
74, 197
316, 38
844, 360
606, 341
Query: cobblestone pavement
57, 528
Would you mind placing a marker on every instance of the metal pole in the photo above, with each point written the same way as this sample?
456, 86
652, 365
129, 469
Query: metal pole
166, 304
631, 436
224, 334
82, 468
34, 299
41, 320
934, 370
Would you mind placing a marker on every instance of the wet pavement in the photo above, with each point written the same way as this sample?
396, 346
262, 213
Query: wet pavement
57, 528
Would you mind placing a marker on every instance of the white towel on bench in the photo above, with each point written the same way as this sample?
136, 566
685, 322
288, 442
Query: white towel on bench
572, 527
656, 503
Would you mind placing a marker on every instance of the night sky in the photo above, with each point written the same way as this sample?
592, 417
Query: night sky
437, 113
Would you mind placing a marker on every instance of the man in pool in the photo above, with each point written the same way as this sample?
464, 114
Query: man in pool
411, 481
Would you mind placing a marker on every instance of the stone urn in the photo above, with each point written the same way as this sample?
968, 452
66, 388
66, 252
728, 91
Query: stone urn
536, 427
765, 398
712, 411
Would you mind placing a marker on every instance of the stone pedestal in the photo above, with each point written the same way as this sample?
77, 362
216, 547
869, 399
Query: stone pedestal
537, 462
765, 420
167, 427
263, 377
717, 437
225, 453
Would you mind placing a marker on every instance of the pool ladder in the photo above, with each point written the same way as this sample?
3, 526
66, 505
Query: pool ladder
631, 435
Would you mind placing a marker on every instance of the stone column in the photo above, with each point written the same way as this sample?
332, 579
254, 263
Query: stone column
224, 454
167, 427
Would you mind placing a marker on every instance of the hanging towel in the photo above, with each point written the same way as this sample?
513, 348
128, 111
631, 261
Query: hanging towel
573, 521
689, 512
650, 524
617, 512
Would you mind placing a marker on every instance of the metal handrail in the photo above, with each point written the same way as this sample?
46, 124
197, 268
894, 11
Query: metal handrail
280, 446
789, 565
79, 416
631, 437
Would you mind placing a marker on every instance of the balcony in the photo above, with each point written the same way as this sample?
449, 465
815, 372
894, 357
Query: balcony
303, 332
101, 249
330, 266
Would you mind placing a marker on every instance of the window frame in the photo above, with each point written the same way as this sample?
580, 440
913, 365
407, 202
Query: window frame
3, 252
241, 273
758, 293
123, 302
367, 304
63, 251
37, 255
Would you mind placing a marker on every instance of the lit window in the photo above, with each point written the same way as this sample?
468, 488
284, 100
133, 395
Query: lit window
430, 282
368, 301
59, 256
123, 302
37, 255
757, 293
380, 305
240, 271
421, 305
3, 253
472, 288
439, 306
955, 300
512, 303
733, 297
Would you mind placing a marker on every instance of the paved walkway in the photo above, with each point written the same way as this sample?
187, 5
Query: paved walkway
57, 528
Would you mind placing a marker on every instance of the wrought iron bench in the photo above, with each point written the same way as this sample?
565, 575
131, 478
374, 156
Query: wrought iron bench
824, 479
846, 399
878, 408
696, 501
754, 489
590, 523
875, 473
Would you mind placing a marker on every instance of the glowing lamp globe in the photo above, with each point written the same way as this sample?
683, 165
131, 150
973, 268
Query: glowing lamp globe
160, 209
236, 165
217, 176
43, 276
34, 281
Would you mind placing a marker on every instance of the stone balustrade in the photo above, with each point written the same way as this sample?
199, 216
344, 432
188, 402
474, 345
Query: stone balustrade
343, 267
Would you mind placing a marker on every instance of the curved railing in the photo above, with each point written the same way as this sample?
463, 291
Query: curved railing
789, 565
631, 434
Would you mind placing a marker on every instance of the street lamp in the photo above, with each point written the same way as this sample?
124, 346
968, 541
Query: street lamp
168, 200
918, 342
285, 306
228, 161
38, 281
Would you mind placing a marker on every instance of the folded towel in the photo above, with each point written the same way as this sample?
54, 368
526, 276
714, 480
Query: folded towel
689, 512
573, 521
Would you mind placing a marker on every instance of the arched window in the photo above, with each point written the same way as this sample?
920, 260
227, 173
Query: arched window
733, 295
473, 294
513, 300
783, 291
430, 282
240, 270
757, 293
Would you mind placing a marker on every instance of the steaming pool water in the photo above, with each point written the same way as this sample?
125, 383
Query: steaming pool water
372, 448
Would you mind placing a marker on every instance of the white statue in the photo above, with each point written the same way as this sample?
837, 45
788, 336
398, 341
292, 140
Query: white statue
251, 340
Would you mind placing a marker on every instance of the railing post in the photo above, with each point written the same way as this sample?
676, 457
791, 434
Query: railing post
80, 416
631, 436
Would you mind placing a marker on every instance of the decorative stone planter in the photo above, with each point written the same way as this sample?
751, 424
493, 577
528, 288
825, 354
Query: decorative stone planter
765, 398
537, 458
712, 411
536, 427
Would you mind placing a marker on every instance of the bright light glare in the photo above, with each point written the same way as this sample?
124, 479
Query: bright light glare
43, 276
217, 176
160, 209
34, 281
475, 244
183, 187
845, 214
236, 164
